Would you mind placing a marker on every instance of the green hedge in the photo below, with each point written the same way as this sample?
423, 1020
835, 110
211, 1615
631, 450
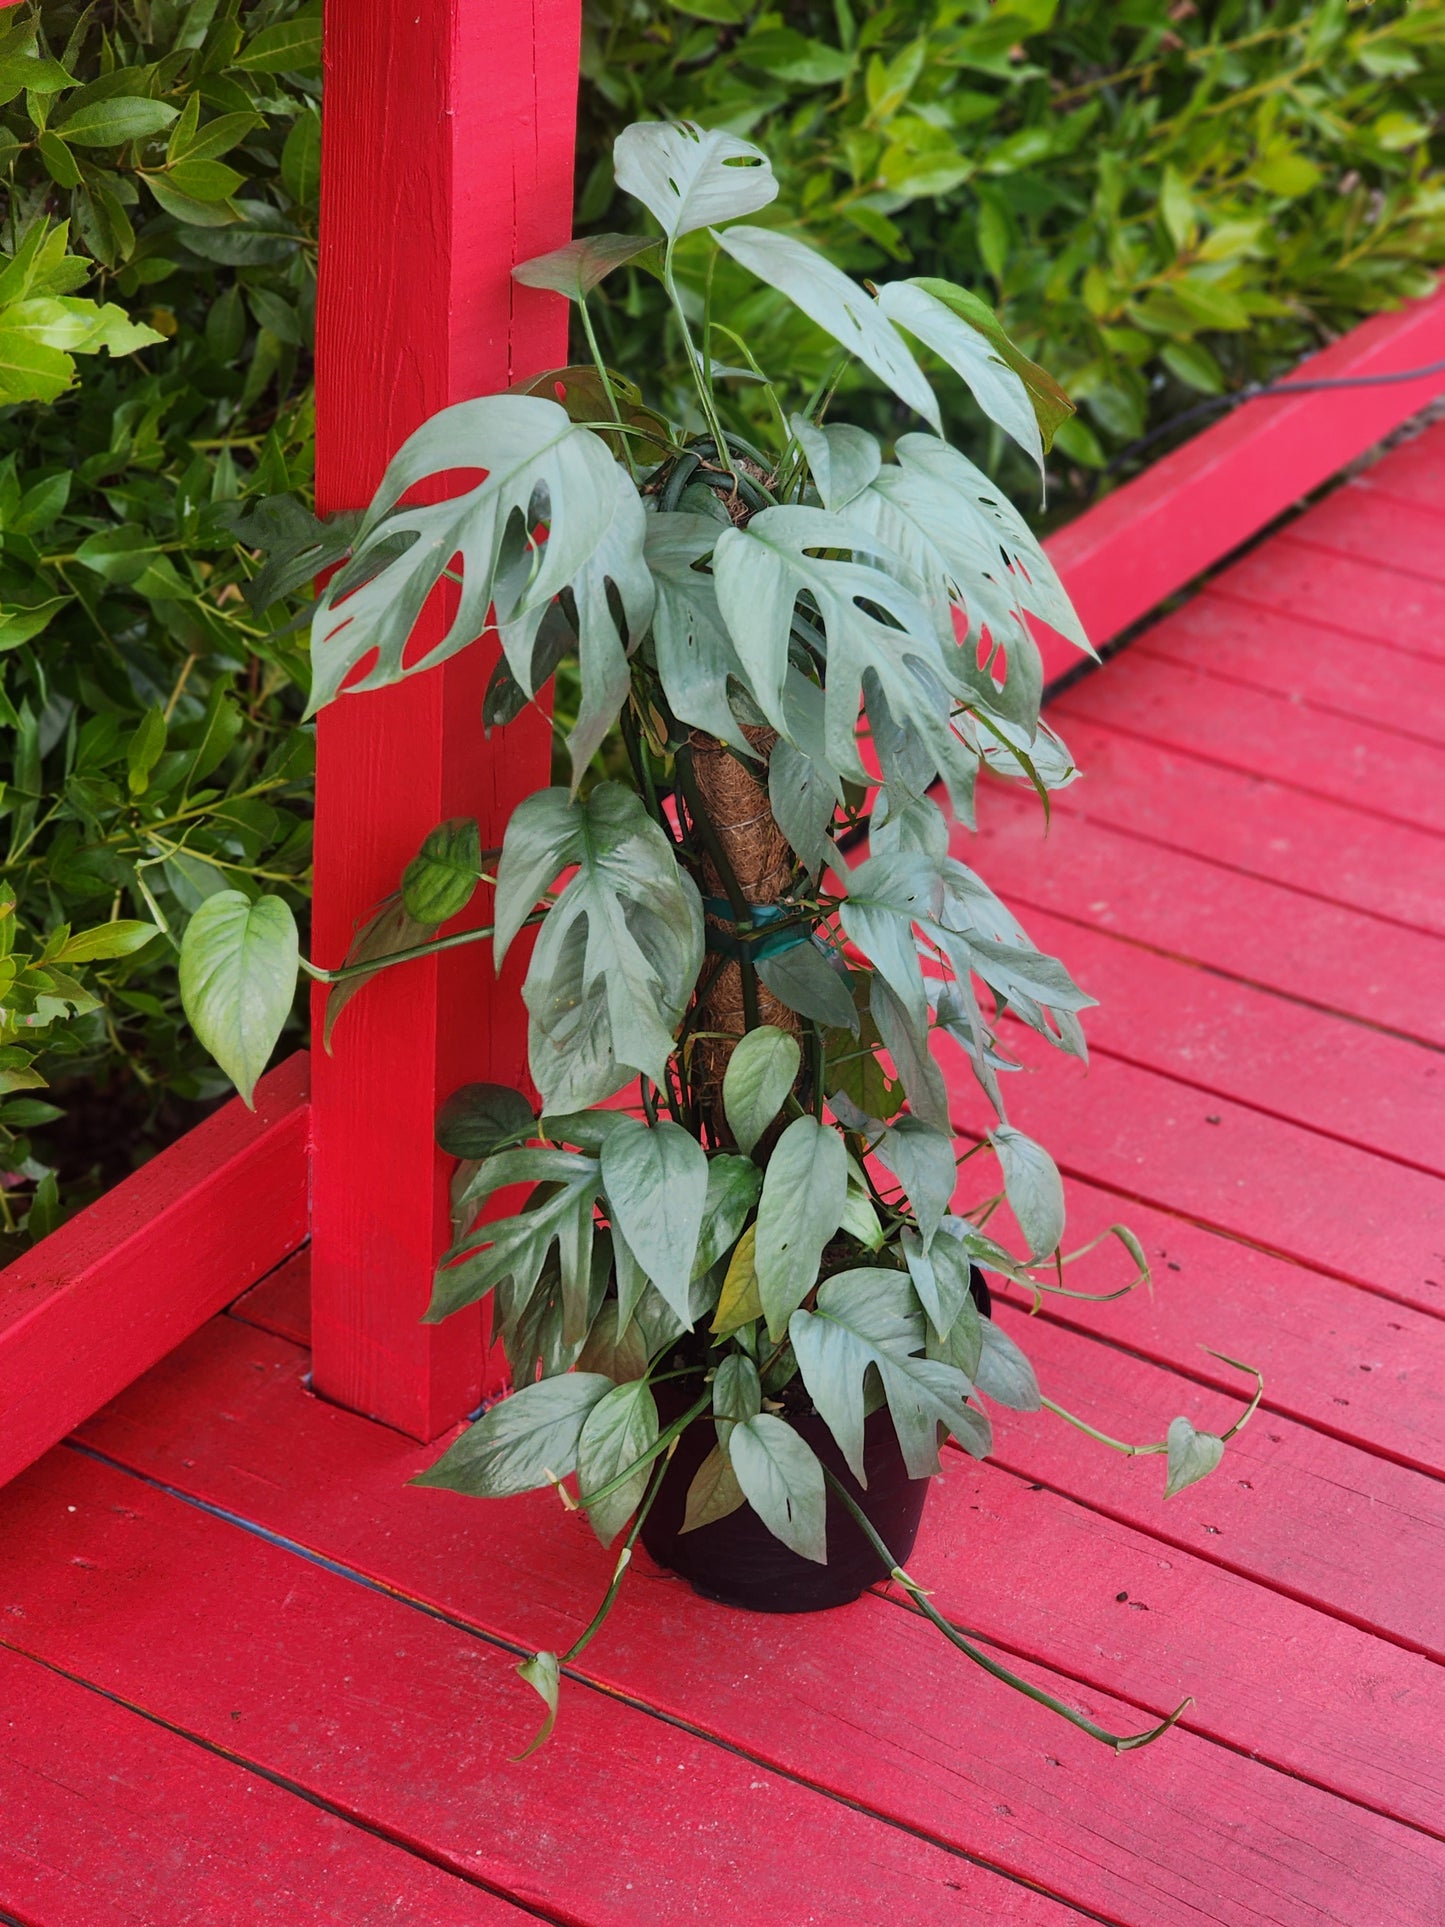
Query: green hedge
1164, 199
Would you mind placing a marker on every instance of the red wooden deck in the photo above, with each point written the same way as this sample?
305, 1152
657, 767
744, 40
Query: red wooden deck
250, 1675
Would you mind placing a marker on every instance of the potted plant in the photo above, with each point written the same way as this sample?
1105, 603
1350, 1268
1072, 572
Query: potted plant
739, 1307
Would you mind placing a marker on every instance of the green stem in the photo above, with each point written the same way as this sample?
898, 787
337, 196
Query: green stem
371, 965
624, 1560
699, 372
659, 1444
1120, 1742
606, 381
1130, 1451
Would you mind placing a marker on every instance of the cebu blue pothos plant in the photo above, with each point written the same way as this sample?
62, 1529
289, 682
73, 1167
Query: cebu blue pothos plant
763, 1250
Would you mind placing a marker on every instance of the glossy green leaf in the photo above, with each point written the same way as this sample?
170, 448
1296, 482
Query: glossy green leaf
441, 878
761, 1072
805, 1191
782, 1481
527, 1440
238, 980
479, 1119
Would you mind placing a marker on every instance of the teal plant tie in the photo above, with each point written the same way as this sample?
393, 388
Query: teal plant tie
727, 943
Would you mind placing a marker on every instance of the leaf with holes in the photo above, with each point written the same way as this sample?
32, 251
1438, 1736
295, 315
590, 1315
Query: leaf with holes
688, 177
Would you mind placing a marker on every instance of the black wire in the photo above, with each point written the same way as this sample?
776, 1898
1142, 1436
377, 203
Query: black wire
1259, 391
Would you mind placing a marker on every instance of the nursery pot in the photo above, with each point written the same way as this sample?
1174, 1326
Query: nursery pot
737, 1561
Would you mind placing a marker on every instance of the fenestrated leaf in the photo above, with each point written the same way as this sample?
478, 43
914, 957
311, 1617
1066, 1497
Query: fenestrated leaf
618, 952
694, 652
843, 459
238, 977
1192, 1455
714, 1492
869, 1317
559, 1211
922, 1161
1035, 1189
998, 390
782, 1481
537, 462
740, 1302
733, 1185
838, 305
615, 574
886, 896
688, 176
805, 1191
524, 1441
882, 643
478, 1119
1051, 406
438, 883
804, 796
576, 268
760, 1073
802, 978
1004, 1373
655, 1178
618, 1430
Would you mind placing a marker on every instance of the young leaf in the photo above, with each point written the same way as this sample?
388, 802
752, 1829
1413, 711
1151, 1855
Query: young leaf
438, 883
843, 459
1192, 1455
761, 1071
478, 1119
656, 1180
782, 1481
741, 1301
618, 1430
805, 1192
838, 305
688, 176
1035, 1189
238, 979
524, 1441
714, 1492
543, 1674
576, 269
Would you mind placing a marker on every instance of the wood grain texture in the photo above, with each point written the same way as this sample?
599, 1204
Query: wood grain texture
281, 1301
100, 1300
110, 1818
1404, 537
866, 1701
1341, 760
1246, 821
1188, 511
1298, 578
1106, 867
1343, 675
409, 1723
447, 157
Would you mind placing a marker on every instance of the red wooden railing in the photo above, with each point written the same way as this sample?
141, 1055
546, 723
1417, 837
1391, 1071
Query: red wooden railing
448, 150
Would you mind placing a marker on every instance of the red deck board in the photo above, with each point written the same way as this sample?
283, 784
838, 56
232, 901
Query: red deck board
1379, 1093
1340, 1210
1414, 471
1299, 578
1372, 527
281, 1302
1251, 824
409, 1723
1371, 770
1096, 871
1167, 1831
1304, 663
112, 1819
1313, 1517
1334, 1357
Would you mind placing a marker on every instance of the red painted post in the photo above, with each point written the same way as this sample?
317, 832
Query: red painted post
447, 157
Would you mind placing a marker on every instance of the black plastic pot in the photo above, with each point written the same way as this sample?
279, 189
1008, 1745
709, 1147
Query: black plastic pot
737, 1561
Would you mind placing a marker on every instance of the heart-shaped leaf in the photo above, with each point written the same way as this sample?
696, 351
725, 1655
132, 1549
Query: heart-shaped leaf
1192, 1455
238, 977
761, 1071
576, 269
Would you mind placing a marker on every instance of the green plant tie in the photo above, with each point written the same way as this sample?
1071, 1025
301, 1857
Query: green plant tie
728, 943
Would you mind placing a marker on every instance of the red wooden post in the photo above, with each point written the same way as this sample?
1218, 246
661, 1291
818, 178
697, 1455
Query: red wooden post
447, 157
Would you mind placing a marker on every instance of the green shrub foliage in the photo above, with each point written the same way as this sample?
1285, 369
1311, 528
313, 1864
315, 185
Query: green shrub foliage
157, 268
1161, 198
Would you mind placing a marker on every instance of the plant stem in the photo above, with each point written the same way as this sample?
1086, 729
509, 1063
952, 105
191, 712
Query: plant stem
606, 381
624, 1560
1120, 1742
659, 1444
